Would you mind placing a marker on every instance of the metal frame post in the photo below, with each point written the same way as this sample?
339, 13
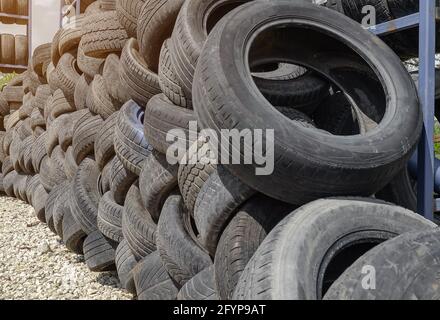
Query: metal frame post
425, 179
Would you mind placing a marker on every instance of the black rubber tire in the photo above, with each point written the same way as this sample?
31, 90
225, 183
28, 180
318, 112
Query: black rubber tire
139, 81
100, 101
110, 73
131, 147
81, 88
8, 183
53, 130
193, 175
60, 207
155, 24
125, 263
168, 81
31, 186
218, 200
182, 257
98, 253
152, 280
67, 74
128, 12
106, 175
110, 217
85, 134
315, 154
415, 260
70, 165
39, 151
200, 287
73, 235
85, 196
7, 166
138, 227
156, 181
195, 21
60, 105
161, 116
65, 133
102, 35
104, 147
120, 180
39, 202
242, 237
342, 231
50, 204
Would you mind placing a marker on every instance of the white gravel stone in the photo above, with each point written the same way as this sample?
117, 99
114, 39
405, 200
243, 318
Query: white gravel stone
35, 264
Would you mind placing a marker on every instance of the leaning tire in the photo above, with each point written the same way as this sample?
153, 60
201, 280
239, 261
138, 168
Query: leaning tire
319, 155
344, 227
415, 260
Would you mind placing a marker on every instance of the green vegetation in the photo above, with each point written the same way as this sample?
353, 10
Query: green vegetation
437, 133
4, 80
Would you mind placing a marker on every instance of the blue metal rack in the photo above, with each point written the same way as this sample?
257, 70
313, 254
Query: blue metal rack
426, 20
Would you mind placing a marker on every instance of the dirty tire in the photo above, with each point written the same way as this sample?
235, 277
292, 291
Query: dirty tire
125, 262
140, 83
98, 253
182, 257
415, 259
120, 180
200, 287
156, 181
152, 280
334, 225
218, 200
138, 227
161, 116
104, 147
85, 196
131, 147
242, 237
110, 217
73, 235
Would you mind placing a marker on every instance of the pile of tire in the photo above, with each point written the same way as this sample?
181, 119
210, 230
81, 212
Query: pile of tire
85, 143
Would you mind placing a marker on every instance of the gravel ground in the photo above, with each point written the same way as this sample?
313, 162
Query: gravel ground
34, 263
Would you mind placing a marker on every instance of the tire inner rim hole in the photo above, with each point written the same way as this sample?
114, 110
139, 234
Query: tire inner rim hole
343, 253
330, 59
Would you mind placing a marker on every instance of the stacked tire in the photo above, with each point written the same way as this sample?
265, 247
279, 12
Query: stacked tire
88, 144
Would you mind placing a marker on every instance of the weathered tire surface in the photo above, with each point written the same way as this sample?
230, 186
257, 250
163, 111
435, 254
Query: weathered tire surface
152, 280
102, 34
110, 217
138, 227
128, 12
242, 237
182, 257
161, 116
98, 252
155, 25
218, 200
125, 262
131, 147
200, 287
168, 81
156, 181
296, 158
104, 147
85, 134
85, 196
138, 80
335, 225
73, 235
415, 259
